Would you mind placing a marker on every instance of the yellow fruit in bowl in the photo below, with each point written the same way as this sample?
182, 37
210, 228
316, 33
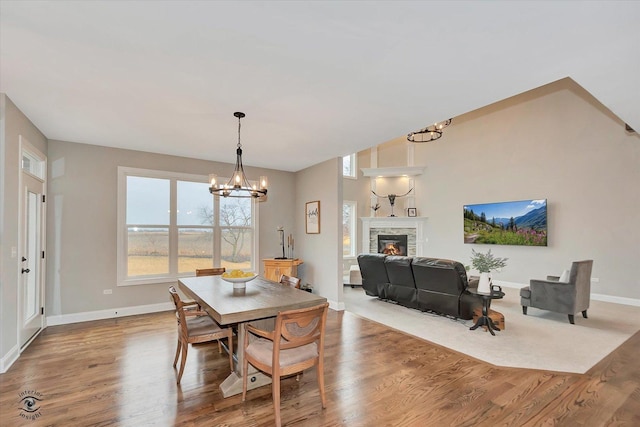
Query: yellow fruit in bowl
237, 274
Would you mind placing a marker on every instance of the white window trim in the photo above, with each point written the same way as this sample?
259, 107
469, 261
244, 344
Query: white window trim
121, 238
354, 229
27, 150
354, 166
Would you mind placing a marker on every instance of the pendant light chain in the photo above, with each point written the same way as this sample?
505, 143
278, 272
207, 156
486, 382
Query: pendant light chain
239, 145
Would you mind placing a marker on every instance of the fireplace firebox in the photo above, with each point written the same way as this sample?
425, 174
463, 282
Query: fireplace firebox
391, 244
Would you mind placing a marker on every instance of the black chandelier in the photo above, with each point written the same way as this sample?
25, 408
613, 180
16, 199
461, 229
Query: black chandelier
430, 133
238, 185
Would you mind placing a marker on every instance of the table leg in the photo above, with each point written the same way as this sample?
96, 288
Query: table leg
485, 320
493, 324
479, 323
485, 307
489, 324
232, 385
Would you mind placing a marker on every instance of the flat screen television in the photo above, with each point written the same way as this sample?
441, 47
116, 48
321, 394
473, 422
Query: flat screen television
523, 222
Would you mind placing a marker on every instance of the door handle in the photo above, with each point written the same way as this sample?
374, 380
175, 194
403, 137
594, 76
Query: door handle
25, 270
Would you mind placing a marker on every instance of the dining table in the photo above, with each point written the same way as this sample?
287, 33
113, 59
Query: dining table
257, 303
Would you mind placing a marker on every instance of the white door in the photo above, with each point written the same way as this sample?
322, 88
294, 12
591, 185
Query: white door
31, 289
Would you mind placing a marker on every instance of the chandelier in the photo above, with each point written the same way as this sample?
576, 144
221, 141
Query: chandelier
238, 185
430, 133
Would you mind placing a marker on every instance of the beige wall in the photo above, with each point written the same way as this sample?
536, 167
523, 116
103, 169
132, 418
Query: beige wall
12, 124
322, 253
556, 142
82, 223
393, 153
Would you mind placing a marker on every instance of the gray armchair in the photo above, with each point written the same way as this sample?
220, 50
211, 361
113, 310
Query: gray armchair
562, 297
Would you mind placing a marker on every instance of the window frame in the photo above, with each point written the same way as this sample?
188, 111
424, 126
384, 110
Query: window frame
32, 163
173, 235
353, 161
353, 234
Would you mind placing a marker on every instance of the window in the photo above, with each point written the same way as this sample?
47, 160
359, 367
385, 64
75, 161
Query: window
236, 232
349, 167
349, 228
32, 164
169, 225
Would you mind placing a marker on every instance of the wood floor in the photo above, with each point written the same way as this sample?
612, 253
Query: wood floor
118, 372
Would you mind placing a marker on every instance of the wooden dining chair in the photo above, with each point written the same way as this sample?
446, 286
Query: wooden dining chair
294, 282
195, 326
209, 271
296, 344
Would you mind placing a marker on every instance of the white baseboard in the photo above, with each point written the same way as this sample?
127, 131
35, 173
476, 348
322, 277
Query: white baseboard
338, 306
87, 316
596, 297
9, 358
513, 285
616, 300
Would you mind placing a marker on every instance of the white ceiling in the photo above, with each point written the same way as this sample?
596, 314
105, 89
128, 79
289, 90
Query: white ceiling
316, 79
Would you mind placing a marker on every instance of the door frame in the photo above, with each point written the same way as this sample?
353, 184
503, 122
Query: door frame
26, 147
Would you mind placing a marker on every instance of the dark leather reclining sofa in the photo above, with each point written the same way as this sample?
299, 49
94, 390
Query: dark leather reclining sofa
428, 284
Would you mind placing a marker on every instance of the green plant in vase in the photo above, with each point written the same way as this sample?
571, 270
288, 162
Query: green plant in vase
485, 263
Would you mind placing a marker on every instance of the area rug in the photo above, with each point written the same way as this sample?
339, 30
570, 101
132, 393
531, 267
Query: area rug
539, 340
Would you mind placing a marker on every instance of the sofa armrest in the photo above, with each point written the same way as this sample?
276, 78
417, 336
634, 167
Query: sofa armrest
551, 289
539, 282
552, 295
553, 278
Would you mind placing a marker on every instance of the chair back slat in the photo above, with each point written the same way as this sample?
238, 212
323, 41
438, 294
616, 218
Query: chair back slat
180, 317
300, 327
294, 282
209, 271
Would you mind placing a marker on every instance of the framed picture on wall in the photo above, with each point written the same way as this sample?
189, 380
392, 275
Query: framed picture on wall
312, 217
412, 212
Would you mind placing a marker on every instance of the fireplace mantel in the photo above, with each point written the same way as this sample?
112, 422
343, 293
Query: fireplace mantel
375, 223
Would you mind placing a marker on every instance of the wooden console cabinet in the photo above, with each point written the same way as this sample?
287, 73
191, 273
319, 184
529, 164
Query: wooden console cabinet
274, 268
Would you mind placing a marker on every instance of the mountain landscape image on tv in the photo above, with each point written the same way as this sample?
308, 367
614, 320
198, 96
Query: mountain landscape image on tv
522, 222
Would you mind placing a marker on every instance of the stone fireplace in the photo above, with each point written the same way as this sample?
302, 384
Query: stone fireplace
394, 229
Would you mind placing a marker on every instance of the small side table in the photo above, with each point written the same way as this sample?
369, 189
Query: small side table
485, 320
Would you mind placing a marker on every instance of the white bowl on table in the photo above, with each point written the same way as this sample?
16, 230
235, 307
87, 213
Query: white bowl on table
239, 282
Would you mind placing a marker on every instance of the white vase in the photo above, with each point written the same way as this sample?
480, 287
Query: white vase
484, 286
